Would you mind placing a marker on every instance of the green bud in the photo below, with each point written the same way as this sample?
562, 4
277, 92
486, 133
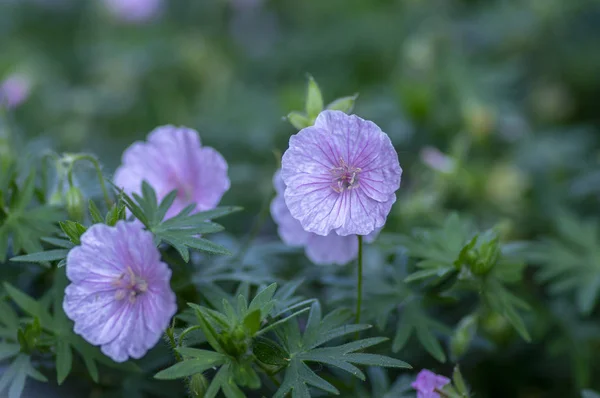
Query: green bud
488, 254
198, 385
298, 120
344, 104
314, 99
75, 203
463, 335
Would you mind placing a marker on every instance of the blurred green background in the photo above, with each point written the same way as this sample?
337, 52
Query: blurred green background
507, 90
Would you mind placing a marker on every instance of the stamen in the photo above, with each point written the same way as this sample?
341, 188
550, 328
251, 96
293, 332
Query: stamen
129, 284
344, 177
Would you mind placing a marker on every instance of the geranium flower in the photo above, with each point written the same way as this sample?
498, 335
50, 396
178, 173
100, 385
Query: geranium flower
119, 296
427, 382
173, 158
330, 249
14, 90
341, 175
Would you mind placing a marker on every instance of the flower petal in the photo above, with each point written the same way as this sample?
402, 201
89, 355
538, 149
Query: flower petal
332, 249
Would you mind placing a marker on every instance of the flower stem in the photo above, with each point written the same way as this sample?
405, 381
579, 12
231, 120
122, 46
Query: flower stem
360, 280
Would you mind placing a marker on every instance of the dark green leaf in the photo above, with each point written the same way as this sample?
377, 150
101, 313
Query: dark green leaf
42, 257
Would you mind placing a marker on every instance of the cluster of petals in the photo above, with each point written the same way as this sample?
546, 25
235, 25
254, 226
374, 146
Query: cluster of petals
173, 158
321, 250
427, 383
119, 297
341, 175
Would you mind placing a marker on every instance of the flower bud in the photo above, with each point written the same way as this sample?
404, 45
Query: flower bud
463, 335
75, 203
198, 385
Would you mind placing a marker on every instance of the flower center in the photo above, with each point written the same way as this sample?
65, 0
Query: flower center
344, 177
185, 192
129, 285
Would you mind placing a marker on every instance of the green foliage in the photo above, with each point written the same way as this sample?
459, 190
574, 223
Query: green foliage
181, 231
570, 261
455, 259
314, 106
303, 348
239, 333
23, 219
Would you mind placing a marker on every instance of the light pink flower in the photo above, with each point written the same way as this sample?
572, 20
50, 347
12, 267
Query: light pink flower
437, 160
341, 175
14, 90
119, 296
173, 158
427, 382
330, 249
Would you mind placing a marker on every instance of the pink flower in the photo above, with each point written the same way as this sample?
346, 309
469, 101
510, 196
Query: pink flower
427, 382
330, 249
119, 296
14, 90
134, 11
173, 158
341, 175
437, 160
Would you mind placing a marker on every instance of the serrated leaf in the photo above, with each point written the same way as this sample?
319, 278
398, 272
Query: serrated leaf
305, 348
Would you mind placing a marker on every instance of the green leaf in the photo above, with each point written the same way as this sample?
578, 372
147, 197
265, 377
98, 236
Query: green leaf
314, 99
344, 104
28, 304
201, 360
64, 360
459, 382
299, 120
95, 213
269, 352
305, 348
252, 322
262, 298
42, 257
62, 243
13, 379
115, 214
73, 230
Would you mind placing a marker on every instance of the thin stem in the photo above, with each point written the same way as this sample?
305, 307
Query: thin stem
96, 165
359, 284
